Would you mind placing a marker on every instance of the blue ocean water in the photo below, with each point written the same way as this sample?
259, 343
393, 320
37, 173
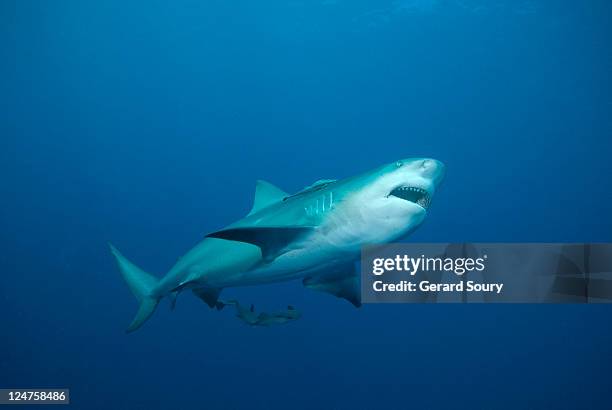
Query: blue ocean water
147, 124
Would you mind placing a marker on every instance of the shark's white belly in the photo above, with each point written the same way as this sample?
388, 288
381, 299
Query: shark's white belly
308, 256
337, 240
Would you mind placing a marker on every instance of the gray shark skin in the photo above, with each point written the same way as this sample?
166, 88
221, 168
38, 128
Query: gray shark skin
314, 235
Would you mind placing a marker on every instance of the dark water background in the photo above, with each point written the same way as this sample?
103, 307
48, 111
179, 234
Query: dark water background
147, 124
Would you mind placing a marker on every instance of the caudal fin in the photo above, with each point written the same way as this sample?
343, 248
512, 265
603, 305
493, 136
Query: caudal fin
141, 284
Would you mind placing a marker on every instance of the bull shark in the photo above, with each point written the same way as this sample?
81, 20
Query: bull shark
315, 235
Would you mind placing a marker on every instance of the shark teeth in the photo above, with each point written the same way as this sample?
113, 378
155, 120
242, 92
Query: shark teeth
413, 194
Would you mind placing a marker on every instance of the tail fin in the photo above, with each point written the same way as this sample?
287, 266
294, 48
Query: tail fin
141, 284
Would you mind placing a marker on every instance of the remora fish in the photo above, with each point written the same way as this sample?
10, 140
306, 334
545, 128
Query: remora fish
250, 317
314, 235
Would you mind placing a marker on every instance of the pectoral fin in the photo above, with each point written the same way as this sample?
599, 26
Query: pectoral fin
270, 239
341, 281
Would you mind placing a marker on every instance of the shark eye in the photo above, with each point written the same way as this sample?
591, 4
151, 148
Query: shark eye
398, 164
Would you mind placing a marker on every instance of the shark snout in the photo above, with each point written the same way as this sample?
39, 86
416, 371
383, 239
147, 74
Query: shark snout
433, 169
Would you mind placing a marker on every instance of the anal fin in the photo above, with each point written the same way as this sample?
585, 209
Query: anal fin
173, 295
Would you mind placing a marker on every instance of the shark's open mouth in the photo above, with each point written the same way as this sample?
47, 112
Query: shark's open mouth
413, 194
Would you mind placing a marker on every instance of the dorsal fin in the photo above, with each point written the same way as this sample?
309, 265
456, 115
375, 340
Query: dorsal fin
265, 195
